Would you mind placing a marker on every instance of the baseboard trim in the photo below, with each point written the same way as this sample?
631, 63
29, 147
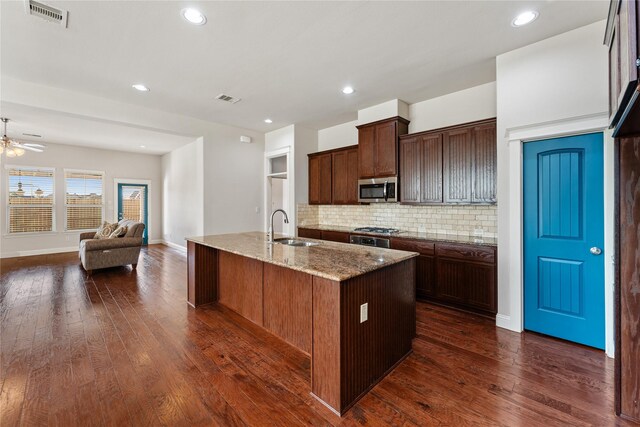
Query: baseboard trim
156, 242
39, 252
504, 321
174, 246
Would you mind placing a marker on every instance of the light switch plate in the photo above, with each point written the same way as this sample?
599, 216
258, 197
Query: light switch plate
364, 312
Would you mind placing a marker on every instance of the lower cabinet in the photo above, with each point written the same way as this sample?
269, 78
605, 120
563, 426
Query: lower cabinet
332, 236
457, 275
335, 236
425, 264
310, 233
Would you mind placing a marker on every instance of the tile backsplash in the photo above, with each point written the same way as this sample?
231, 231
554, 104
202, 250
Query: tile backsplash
450, 219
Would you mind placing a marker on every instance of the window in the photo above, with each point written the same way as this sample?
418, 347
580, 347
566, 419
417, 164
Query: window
30, 201
83, 199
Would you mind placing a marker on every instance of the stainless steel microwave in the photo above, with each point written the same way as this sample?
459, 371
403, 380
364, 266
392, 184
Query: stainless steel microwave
378, 190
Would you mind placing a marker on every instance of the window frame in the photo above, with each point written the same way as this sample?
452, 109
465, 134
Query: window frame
66, 205
8, 205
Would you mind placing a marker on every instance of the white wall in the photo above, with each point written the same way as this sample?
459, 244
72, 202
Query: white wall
233, 172
545, 85
467, 105
338, 136
279, 138
115, 164
183, 191
306, 141
392, 108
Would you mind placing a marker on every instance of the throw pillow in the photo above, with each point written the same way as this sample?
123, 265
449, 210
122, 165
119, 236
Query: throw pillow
118, 232
105, 230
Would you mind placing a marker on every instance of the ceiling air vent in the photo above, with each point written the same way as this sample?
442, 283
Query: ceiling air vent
227, 98
46, 12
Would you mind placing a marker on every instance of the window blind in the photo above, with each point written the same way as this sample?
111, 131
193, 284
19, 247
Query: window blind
83, 200
30, 200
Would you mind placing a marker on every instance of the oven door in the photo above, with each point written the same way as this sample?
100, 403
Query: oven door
378, 190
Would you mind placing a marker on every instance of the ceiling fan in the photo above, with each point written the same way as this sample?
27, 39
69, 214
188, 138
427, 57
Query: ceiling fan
13, 148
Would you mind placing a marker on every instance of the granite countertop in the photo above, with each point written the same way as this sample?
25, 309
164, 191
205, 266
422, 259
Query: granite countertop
330, 260
435, 237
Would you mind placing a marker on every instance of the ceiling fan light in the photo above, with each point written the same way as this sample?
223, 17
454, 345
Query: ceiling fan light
19, 151
1, 149
11, 152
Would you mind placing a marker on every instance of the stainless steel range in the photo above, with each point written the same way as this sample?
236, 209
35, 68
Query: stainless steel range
379, 242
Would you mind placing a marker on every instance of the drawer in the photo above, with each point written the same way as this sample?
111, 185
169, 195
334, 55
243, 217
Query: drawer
335, 236
311, 233
466, 252
414, 245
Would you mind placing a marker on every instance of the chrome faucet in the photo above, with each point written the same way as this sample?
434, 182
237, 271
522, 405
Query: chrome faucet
286, 221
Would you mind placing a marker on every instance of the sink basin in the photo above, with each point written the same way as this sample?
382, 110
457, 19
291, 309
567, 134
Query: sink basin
294, 242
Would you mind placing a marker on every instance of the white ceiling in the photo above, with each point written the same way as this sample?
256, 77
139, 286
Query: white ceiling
286, 60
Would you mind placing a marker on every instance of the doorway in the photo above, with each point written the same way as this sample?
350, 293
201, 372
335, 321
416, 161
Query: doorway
133, 205
563, 238
278, 191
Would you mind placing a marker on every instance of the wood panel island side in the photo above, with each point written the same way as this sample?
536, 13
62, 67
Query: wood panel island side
313, 298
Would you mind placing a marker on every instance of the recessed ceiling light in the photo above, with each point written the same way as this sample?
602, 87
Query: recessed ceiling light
143, 146
194, 16
140, 87
347, 90
524, 18
268, 121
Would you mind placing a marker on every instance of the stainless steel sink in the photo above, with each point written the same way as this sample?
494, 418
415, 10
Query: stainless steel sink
294, 242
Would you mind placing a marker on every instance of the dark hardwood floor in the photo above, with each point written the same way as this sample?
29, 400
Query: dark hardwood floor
124, 348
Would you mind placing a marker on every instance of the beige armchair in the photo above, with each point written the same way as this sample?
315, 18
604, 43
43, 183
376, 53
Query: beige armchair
105, 253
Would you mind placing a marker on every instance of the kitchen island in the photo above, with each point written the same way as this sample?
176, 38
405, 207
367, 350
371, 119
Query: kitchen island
350, 308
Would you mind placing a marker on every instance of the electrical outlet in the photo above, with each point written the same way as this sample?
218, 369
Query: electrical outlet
364, 312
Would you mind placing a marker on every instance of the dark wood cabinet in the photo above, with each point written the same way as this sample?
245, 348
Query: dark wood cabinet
345, 176
483, 163
421, 169
335, 236
623, 42
378, 147
425, 264
333, 176
330, 235
366, 152
454, 274
320, 179
459, 275
310, 233
454, 165
466, 276
627, 257
457, 166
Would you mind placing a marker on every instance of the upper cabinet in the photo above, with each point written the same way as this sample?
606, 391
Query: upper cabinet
378, 147
623, 42
333, 177
319, 179
454, 165
345, 176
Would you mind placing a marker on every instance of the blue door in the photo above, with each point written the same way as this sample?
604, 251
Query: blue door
132, 204
563, 238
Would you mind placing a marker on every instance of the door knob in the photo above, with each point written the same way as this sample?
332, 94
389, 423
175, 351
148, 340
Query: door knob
595, 250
